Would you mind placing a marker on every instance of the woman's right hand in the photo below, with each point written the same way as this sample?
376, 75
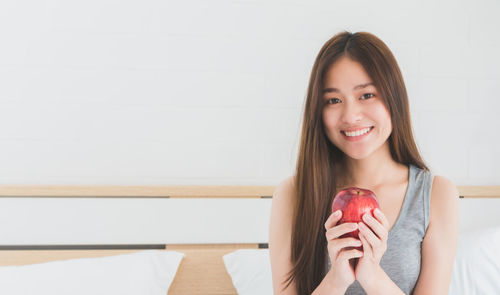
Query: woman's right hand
341, 271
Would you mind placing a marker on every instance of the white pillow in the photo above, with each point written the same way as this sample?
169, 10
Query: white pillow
477, 264
148, 272
250, 271
476, 270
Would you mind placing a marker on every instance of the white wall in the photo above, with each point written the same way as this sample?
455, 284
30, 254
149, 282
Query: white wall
211, 92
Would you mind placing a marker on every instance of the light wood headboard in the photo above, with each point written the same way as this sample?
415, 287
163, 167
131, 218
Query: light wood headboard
215, 191
202, 270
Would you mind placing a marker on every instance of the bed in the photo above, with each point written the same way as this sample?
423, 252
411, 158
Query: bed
52, 223
205, 223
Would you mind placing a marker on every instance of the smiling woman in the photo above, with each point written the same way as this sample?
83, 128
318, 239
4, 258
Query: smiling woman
357, 133
350, 116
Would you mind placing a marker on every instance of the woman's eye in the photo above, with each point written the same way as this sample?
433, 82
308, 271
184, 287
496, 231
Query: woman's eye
368, 95
333, 101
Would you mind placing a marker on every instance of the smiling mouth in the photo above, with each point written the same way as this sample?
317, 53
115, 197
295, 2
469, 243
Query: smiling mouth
357, 132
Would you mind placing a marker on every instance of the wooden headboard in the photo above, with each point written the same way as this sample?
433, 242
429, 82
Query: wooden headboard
202, 270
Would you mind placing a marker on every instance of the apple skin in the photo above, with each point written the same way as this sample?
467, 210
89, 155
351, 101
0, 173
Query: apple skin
354, 203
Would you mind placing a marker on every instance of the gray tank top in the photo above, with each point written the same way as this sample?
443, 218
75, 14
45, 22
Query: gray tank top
401, 261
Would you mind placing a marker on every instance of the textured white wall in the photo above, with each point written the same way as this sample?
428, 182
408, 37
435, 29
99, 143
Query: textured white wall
211, 92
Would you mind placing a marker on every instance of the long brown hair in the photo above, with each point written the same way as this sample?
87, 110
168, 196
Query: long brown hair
319, 160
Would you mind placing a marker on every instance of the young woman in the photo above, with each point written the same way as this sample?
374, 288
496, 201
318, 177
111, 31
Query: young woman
357, 132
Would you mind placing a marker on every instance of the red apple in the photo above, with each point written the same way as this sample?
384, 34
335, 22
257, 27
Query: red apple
354, 203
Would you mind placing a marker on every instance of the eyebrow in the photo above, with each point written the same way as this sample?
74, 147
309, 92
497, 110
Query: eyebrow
332, 89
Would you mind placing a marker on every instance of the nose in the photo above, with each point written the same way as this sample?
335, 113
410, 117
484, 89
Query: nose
352, 113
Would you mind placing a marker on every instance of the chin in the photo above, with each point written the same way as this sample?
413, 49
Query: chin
357, 155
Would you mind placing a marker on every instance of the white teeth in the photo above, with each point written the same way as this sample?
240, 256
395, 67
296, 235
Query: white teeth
357, 133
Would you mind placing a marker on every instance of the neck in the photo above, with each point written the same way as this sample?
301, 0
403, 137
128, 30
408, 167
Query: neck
375, 170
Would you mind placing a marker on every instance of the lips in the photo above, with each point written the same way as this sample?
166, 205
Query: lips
356, 134
356, 131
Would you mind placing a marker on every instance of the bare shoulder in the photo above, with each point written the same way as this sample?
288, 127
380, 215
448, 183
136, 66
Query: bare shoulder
282, 207
441, 239
285, 189
443, 190
444, 200
280, 232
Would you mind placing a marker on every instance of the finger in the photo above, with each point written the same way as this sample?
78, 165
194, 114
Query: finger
372, 239
333, 219
339, 244
367, 248
375, 226
349, 254
381, 217
340, 230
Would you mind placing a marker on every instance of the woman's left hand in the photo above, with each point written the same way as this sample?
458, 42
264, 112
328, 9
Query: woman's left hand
374, 240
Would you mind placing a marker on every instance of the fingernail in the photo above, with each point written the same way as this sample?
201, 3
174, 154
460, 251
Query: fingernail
366, 217
337, 213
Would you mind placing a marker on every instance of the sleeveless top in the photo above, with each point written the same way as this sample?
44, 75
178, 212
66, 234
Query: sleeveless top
401, 261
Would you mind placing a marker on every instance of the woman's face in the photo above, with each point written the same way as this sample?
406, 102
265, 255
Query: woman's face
355, 117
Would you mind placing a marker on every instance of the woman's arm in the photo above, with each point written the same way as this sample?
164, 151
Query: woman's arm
369, 273
440, 242
383, 285
438, 247
280, 233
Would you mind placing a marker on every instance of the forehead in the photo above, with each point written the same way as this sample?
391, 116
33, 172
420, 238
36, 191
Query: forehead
345, 74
